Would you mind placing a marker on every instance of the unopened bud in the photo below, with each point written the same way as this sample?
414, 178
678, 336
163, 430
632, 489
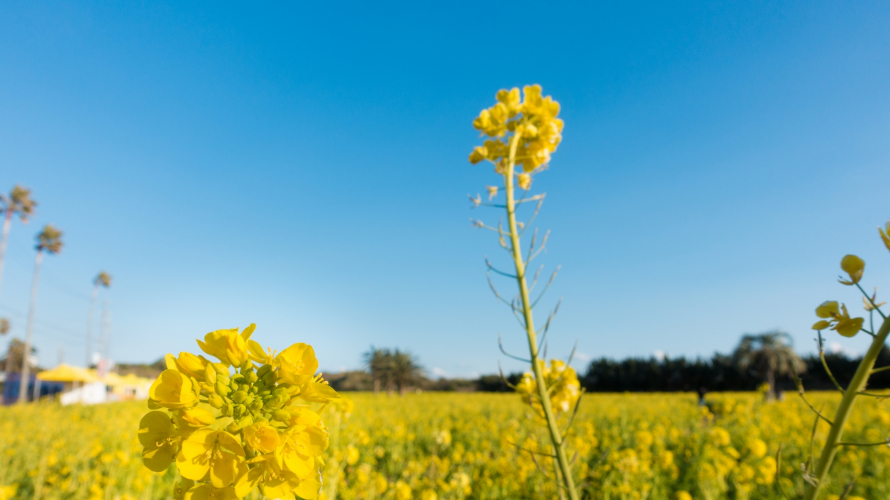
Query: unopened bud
209, 374
215, 401
280, 415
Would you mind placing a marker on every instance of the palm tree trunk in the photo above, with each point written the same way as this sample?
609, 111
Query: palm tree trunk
23, 383
771, 380
90, 325
7, 222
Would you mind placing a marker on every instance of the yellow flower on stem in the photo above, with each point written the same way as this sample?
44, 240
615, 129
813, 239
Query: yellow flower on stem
297, 364
191, 365
226, 345
885, 235
838, 318
172, 390
853, 266
160, 440
261, 437
206, 450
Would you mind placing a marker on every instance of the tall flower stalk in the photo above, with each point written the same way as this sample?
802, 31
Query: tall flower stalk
835, 316
521, 136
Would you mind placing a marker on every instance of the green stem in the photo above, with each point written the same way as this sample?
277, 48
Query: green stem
552, 426
833, 442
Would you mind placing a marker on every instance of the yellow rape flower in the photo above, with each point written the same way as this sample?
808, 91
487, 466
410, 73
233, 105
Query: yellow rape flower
159, 439
207, 450
173, 390
838, 318
885, 235
854, 267
191, 365
261, 437
226, 345
297, 364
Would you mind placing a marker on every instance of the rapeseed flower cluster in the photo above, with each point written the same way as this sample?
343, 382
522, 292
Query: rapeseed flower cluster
529, 125
563, 384
238, 423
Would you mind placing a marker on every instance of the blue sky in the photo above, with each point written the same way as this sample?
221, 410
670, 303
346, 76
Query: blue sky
304, 167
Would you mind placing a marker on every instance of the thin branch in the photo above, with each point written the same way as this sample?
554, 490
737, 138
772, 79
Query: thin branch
495, 291
547, 324
531, 246
825, 364
501, 346
846, 443
492, 268
507, 382
800, 391
541, 248
572, 418
882, 369
871, 301
481, 225
547, 287
778, 476
534, 215
847, 490
531, 287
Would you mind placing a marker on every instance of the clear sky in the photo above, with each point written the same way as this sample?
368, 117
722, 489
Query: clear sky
305, 167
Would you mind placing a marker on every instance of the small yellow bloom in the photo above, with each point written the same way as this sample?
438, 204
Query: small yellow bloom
853, 266
173, 390
757, 448
525, 181
159, 439
297, 364
217, 452
191, 365
262, 437
225, 345
682, 495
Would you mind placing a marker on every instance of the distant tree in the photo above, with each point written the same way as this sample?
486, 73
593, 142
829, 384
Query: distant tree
4, 326
769, 355
18, 203
378, 362
49, 241
406, 370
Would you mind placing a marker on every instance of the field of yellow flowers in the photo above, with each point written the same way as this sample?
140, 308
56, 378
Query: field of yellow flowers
439, 446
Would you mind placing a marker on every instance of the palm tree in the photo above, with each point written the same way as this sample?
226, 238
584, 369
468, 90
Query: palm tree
768, 355
378, 362
103, 279
50, 241
19, 203
405, 370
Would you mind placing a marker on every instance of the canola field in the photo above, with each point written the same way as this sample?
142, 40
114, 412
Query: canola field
441, 446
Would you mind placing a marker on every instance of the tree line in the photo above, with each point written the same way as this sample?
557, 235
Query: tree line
762, 358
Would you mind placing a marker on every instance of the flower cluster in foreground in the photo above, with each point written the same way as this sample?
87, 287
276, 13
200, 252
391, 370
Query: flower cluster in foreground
239, 423
563, 384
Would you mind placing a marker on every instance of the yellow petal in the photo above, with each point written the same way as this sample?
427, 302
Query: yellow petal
157, 459
827, 309
308, 488
849, 327
155, 426
821, 325
247, 332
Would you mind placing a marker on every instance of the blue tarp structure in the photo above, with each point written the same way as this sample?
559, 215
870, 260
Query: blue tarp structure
11, 388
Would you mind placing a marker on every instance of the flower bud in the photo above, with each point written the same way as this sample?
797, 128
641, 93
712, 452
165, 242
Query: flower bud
251, 377
270, 378
239, 410
256, 405
221, 369
209, 374
239, 396
226, 410
215, 401
280, 415
238, 378
245, 421
223, 379
263, 370
247, 366
221, 389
